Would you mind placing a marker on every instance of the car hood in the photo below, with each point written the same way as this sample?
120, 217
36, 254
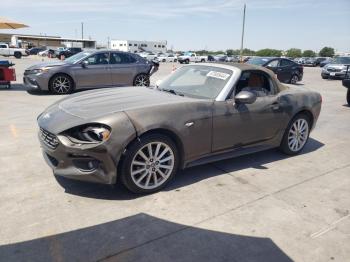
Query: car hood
336, 66
98, 103
47, 64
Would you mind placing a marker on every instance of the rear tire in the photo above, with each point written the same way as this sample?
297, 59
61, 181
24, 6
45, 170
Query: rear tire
18, 55
149, 164
296, 135
187, 61
142, 80
348, 96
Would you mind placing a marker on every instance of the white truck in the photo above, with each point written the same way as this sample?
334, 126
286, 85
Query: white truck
191, 57
5, 50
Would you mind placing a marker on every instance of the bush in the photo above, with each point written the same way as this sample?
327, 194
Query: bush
327, 52
309, 53
294, 52
269, 52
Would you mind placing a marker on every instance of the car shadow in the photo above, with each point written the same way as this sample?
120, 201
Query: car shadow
142, 237
36, 92
298, 84
21, 87
184, 177
14, 87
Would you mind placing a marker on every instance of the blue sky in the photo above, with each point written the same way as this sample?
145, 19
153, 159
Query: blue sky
192, 24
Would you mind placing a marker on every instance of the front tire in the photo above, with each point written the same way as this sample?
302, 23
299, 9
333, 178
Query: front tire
296, 135
61, 84
141, 80
348, 96
324, 77
149, 164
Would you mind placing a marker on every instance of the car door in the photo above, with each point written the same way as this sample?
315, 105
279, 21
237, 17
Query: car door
285, 70
273, 65
4, 50
93, 71
236, 125
123, 68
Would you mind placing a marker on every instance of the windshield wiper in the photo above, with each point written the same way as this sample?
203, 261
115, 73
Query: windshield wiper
172, 91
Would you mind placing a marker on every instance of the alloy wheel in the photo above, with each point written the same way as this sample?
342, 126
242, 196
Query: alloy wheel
298, 134
142, 80
152, 165
61, 85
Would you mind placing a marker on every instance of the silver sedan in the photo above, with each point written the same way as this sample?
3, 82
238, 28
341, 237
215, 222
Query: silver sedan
90, 69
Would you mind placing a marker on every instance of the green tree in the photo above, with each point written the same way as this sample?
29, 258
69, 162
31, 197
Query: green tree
232, 52
309, 53
326, 52
294, 52
248, 52
269, 52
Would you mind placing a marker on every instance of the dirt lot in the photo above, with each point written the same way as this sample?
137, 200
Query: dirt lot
262, 207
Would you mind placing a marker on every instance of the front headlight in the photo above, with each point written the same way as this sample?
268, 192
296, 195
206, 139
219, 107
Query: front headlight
94, 133
40, 70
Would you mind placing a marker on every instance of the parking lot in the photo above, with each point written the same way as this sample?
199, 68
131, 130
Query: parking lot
260, 207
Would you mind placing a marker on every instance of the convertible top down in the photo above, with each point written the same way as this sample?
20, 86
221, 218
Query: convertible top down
198, 114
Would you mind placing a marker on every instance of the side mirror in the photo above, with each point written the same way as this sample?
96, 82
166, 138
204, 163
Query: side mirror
84, 64
245, 97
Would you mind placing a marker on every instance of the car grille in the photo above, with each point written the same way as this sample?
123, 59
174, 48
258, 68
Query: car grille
49, 139
333, 69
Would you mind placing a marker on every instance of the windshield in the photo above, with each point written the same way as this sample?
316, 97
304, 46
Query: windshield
258, 61
341, 60
204, 82
77, 57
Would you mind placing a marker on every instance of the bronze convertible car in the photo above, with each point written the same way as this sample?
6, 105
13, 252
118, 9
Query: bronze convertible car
198, 114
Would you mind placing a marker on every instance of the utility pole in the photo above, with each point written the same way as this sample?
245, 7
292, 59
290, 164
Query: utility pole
82, 30
241, 52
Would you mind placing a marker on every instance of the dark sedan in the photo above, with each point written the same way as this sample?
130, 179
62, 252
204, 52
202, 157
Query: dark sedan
198, 114
287, 71
35, 50
69, 52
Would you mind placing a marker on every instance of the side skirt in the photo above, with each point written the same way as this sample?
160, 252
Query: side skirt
229, 154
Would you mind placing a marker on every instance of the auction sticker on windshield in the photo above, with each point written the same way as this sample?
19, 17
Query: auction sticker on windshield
219, 75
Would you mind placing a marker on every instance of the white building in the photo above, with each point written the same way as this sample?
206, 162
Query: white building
139, 46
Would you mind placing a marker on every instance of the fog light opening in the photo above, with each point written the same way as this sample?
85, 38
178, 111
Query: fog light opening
87, 165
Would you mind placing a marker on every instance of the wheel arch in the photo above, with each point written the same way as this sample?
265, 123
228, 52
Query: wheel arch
308, 113
166, 132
